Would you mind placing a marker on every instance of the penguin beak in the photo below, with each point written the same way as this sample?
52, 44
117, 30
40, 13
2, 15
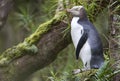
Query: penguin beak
68, 10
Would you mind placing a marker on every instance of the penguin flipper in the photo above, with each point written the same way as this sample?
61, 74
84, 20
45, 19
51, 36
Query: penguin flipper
81, 42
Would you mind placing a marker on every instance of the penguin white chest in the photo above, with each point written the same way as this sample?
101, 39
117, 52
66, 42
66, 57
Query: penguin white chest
76, 31
76, 34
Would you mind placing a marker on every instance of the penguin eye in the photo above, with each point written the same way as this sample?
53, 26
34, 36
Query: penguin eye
81, 31
86, 64
77, 9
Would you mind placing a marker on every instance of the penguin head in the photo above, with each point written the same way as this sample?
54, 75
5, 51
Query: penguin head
78, 11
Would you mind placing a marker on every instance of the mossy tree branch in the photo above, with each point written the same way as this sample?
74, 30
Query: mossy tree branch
17, 63
29, 45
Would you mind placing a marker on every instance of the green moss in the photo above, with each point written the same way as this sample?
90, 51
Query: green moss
43, 28
17, 51
28, 46
85, 76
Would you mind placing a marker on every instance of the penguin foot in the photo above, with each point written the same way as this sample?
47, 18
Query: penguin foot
76, 71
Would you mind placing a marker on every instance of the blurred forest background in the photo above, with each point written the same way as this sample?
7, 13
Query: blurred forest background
27, 15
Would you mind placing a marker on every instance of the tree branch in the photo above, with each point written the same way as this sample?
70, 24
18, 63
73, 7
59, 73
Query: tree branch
48, 44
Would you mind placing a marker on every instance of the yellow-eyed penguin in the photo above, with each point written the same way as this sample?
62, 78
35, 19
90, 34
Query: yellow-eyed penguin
86, 39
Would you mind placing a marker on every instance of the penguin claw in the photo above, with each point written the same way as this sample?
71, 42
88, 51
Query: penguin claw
76, 71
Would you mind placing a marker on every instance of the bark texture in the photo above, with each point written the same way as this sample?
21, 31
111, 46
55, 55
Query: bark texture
5, 7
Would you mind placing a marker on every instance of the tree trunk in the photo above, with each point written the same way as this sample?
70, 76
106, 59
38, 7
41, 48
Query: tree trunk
5, 7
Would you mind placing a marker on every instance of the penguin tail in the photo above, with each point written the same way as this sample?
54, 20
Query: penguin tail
97, 65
